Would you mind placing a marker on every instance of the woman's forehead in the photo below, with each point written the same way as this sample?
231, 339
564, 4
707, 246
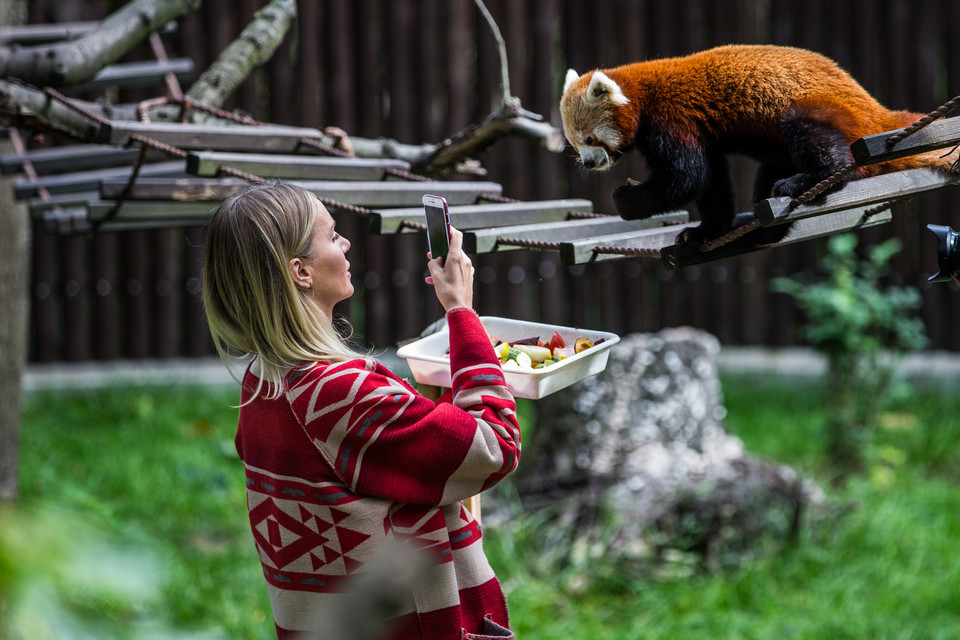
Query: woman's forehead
323, 216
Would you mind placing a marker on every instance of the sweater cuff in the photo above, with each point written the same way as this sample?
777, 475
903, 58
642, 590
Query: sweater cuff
455, 310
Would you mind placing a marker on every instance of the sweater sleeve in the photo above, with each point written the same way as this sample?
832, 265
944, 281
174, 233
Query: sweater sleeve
383, 439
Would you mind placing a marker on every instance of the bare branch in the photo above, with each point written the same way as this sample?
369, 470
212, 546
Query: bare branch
31, 109
501, 48
67, 63
255, 45
473, 141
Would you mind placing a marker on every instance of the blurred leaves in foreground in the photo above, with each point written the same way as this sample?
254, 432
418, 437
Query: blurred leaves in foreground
61, 577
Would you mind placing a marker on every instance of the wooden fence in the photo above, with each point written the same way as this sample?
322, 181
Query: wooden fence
422, 70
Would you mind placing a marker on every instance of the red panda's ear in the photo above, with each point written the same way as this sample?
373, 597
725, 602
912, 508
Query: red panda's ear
571, 77
603, 89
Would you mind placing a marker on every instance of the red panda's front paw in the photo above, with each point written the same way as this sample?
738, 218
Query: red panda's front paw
693, 236
626, 202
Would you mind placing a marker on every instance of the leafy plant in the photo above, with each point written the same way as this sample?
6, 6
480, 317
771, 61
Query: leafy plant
862, 328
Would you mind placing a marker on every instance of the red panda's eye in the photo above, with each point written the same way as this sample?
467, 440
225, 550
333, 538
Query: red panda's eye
590, 141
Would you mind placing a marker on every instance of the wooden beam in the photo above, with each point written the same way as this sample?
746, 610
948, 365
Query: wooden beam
583, 250
34, 34
76, 221
136, 75
678, 256
359, 193
151, 211
939, 134
488, 240
266, 139
869, 191
304, 167
38, 207
90, 180
389, 221
75, 157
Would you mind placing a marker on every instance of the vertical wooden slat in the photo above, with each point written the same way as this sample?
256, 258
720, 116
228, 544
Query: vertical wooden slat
75, 293
309, 96
197, 340
44, 296
106, 310
166, 294
139, 319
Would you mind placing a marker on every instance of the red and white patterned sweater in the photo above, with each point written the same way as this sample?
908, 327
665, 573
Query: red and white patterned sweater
352, 459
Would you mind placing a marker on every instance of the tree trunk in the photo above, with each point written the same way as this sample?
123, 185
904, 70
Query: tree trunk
14, 279
640, 461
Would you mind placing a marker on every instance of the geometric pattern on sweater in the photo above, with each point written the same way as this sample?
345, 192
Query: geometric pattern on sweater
352, 459
284, 538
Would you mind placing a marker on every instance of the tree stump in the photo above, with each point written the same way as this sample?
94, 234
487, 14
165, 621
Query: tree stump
639, 462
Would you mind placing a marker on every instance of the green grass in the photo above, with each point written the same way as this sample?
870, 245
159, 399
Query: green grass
152, 474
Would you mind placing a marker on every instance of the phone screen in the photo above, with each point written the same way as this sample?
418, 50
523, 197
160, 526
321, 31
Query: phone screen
438, 226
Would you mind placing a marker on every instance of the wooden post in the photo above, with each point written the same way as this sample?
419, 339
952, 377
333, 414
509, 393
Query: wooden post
473, 502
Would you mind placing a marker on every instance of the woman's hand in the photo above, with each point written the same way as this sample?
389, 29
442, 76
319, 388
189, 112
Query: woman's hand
452, 278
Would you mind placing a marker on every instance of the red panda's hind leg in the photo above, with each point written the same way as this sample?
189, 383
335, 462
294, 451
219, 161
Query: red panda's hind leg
815, 144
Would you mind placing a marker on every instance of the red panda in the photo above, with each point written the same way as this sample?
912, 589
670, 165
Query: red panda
794, 111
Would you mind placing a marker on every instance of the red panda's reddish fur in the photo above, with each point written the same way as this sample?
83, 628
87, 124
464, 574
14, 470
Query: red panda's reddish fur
732, 99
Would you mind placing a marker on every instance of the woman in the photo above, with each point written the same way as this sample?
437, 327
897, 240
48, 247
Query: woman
344, 460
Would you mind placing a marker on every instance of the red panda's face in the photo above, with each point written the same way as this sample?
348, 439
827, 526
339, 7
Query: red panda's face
587, 108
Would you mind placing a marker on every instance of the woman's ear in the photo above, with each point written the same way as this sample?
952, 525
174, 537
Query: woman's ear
300, 273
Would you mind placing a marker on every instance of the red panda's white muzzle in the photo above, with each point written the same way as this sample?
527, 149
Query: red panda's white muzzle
595, 158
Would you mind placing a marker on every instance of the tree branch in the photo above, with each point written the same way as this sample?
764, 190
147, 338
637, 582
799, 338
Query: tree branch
31, 109
28, 108
510, 119
255, 45
501, 49
67, 63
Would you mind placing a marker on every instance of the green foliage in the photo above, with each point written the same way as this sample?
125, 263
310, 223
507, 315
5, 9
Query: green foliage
862, 328
155, 468
145, 485
880, 569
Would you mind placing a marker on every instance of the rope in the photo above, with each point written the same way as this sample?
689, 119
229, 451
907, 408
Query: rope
823, 185
941, 111
327, 149
492, 197
585, 215
169, 149
410, 224
188, 104
729, 237
883, 206
544, 245
144, 106
329, 203
126, 190
56, 95
406, 175
638, 252
237, 173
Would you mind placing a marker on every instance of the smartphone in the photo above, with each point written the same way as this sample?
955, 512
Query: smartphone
438, 225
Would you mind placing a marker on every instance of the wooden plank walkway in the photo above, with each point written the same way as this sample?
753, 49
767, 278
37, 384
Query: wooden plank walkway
185, 192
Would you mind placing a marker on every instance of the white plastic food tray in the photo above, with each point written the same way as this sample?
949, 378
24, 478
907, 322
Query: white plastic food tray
429, 364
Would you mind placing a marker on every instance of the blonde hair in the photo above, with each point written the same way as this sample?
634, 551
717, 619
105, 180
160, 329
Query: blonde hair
252, 305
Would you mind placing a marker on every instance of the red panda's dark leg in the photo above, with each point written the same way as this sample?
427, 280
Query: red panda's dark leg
768, 174
678, 174
817, 148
